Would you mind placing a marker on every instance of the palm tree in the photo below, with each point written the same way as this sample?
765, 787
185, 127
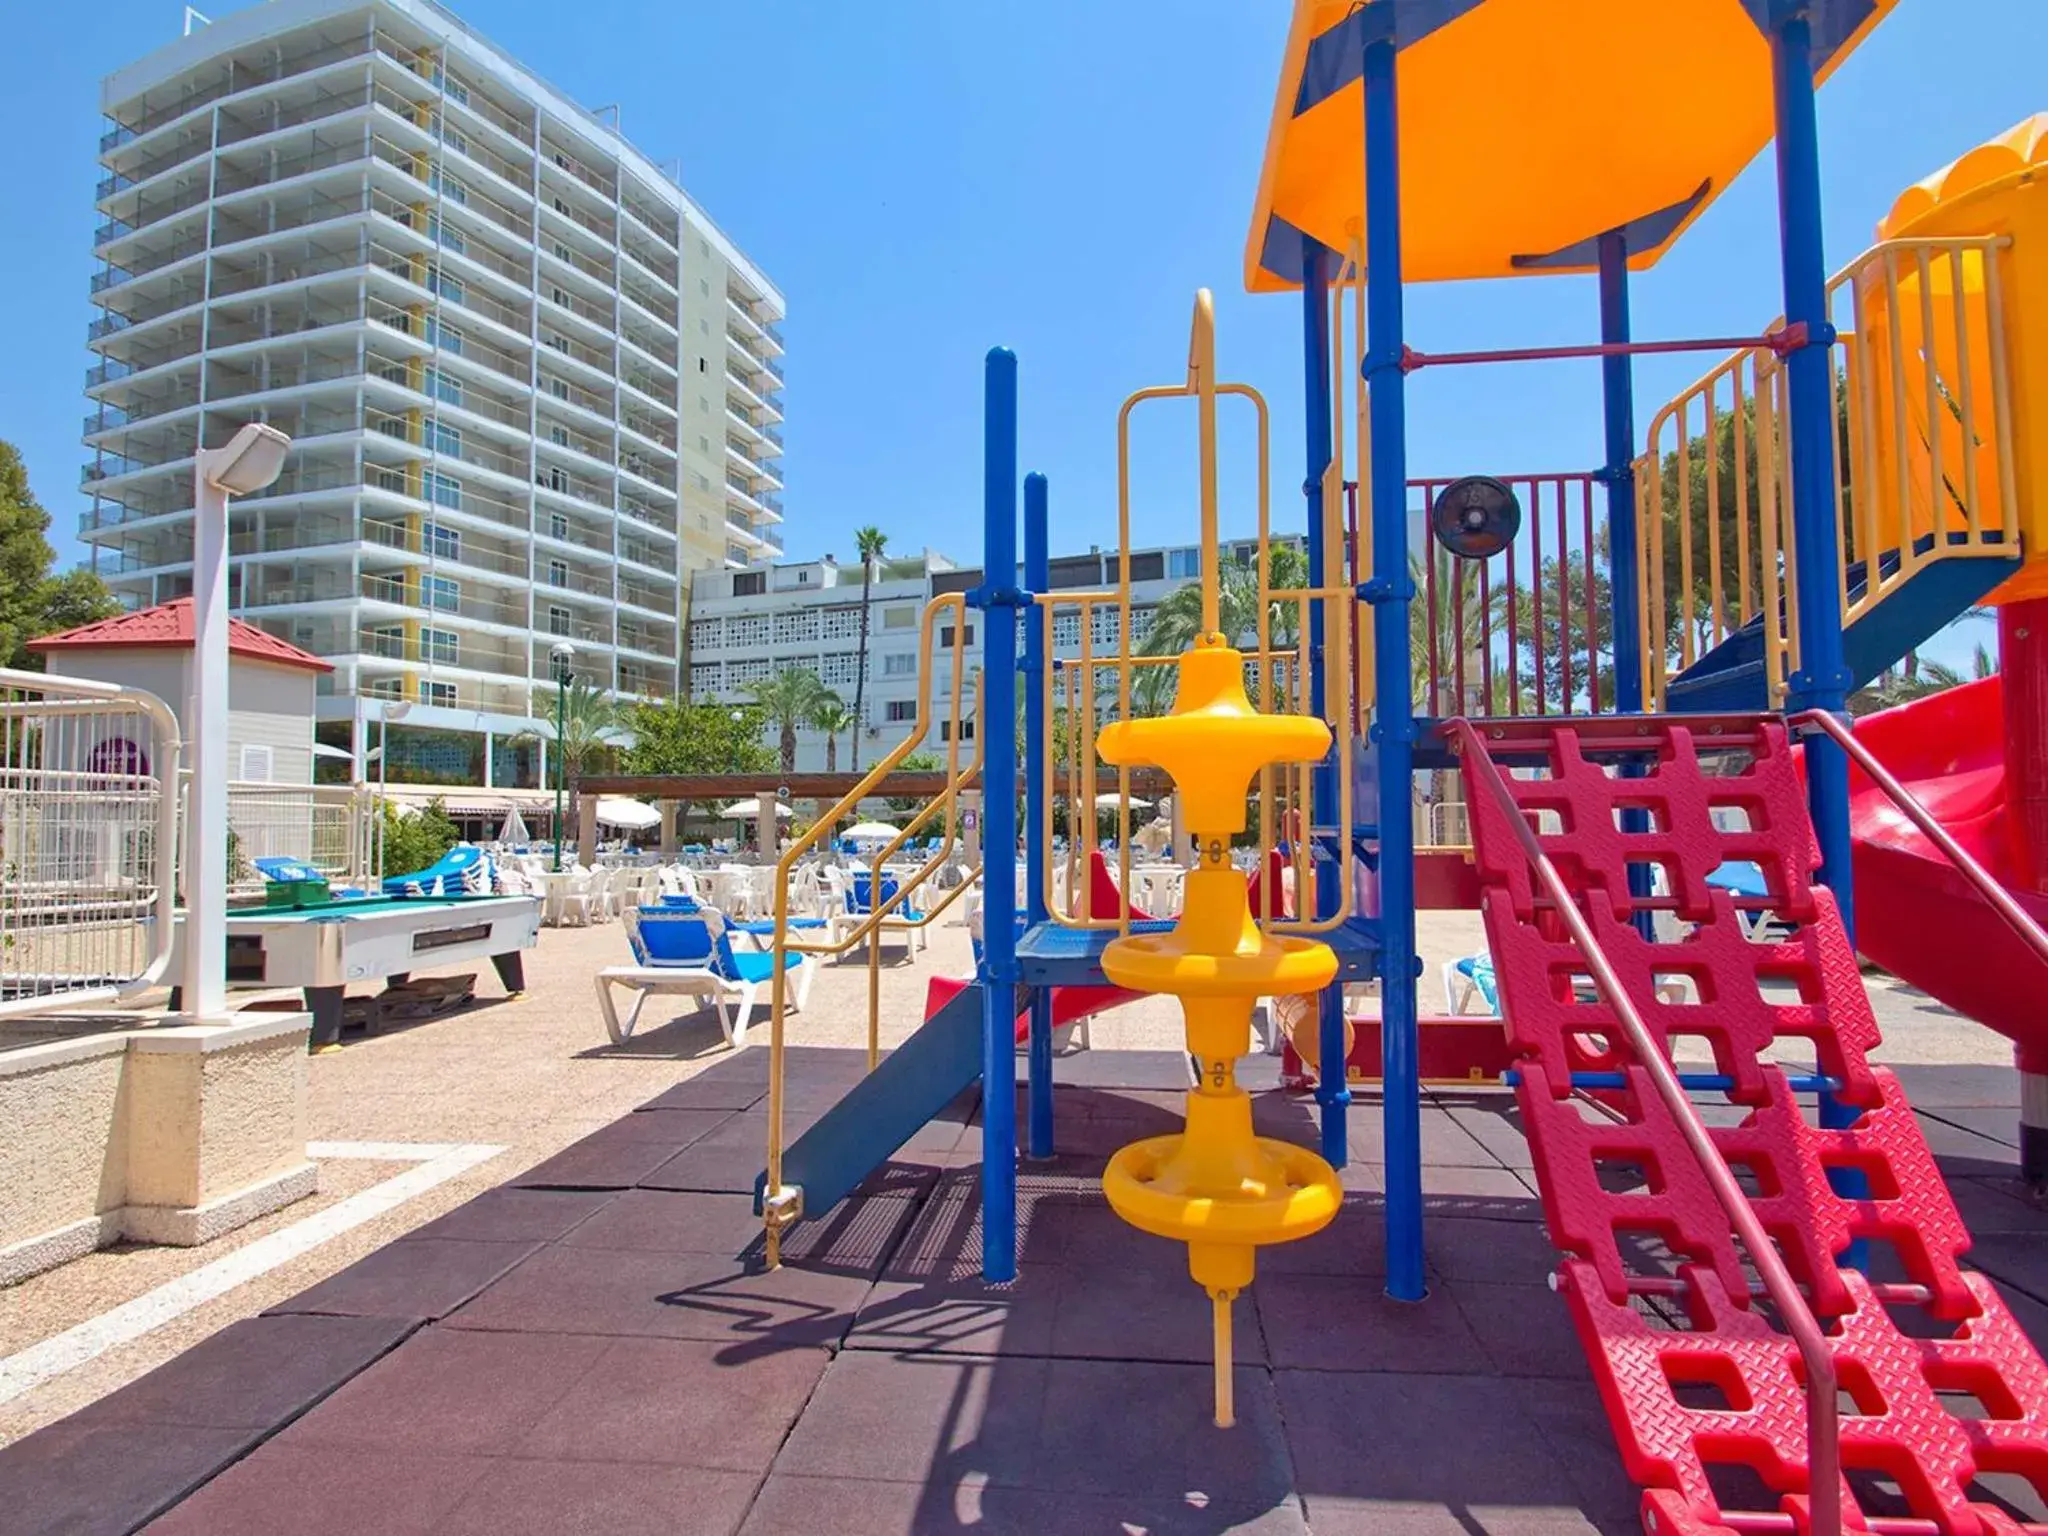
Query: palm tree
833, 718
592, 724
868, 543
790, 699
1177, 620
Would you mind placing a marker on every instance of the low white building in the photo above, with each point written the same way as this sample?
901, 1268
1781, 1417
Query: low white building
747, 625
271, 682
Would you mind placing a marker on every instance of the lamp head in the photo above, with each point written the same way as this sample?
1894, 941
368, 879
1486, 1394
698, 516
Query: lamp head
564, 658
252, 459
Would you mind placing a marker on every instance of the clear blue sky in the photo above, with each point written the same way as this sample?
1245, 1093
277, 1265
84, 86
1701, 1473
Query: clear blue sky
927, 179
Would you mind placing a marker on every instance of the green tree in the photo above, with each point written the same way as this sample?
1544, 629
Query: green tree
593, 726
33, 602
413, 842
788, 700
868, 543
833, 718
916, 762
681, 737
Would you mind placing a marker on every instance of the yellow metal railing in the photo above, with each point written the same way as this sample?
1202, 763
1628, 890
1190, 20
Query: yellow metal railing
782, 1205
1280, 669
1923, 461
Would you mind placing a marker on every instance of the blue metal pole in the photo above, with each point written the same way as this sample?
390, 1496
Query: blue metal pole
1822, 679
1624, 601
1617, 380
1333, 1082
998, 604
1037, 578
1391, 592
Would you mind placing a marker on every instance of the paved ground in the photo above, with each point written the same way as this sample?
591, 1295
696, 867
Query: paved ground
596, 1347
534, 1076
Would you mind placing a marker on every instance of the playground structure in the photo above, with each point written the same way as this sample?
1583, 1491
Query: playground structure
1754, 577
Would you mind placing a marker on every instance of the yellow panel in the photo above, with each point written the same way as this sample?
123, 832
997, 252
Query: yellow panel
1527, 128
1996, 189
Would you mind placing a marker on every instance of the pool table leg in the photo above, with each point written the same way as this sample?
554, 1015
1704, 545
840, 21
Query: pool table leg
325, 1005
511, 971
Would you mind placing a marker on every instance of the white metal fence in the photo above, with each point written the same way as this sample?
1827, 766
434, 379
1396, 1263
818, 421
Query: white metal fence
88, 837
329, 826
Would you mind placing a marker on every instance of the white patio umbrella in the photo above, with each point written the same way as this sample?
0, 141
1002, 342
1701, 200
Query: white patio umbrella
749, 810
514, 832
630, 814
1111, 800
870, 832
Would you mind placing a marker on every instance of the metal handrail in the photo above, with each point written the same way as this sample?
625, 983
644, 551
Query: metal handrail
1823, 1435
777, 1206
2001, 901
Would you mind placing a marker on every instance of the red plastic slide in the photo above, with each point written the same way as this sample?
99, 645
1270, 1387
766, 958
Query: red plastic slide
1916, 915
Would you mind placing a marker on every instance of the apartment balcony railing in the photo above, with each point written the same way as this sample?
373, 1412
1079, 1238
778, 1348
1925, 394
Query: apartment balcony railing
662, 522
562, 160
663, 270
656, 224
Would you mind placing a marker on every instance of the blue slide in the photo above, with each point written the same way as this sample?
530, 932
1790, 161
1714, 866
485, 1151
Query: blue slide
886, 1108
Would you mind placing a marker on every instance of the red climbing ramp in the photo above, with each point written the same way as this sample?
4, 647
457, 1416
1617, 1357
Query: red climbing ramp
1694, 1367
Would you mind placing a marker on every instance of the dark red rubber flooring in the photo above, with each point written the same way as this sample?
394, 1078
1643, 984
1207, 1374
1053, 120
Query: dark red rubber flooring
596, 1347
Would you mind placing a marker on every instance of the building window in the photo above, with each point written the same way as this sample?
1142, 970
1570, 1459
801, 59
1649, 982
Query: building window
559, 294
554, 477
259, 763
449, 288
445, 236
748, 632
559, 388
444, 336
1184, 564
897, 711
445, 439
442, 645
902, 664
749, 583
436, 383
966, 730
559, 436
441, 541
562, 251
386, 640
558, 341
899, 618
558, 526
841, 623
432, 692
558, 619
454, 139
442, 490
448, 186
384, 688
558, 573
442, 592
836, 669
707, 634
946, 635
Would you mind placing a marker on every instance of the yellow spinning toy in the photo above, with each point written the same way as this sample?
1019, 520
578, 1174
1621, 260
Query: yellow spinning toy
1216, 1186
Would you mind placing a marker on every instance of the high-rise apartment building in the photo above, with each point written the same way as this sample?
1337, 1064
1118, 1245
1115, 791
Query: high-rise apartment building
531, 385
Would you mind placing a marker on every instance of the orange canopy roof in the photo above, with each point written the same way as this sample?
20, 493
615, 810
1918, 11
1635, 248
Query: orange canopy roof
1529, 128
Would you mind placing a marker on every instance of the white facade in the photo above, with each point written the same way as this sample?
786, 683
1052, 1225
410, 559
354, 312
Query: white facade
747, 625
532, 387
270, 706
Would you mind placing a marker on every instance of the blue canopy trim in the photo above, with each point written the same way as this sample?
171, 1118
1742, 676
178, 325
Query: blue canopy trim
1336, 58
1641, 234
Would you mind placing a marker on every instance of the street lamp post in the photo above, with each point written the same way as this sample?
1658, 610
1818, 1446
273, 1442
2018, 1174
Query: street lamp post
390, 710
250, 461
564, 657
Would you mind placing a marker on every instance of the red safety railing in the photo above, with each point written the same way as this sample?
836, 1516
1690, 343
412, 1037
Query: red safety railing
2016, 916
1519, 633
1824, 1451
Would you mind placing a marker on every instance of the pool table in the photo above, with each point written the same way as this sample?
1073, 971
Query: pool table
321, 948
